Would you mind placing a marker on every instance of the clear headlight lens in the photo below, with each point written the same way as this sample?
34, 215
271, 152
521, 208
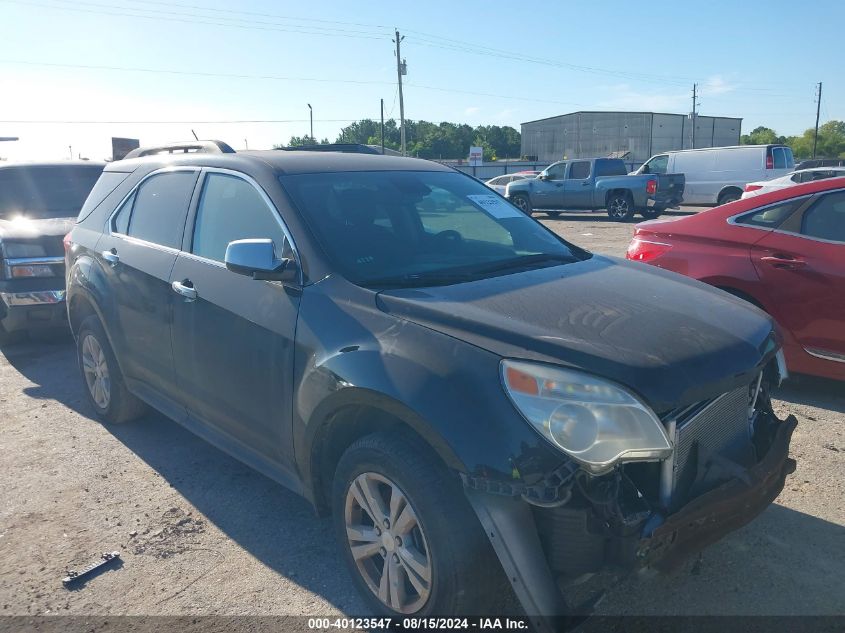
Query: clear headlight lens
594, 421
14, 250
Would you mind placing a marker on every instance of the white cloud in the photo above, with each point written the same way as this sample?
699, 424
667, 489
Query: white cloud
624, 97
472, 110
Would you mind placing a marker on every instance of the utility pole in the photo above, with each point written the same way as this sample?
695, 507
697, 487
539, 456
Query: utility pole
401, 69
382, 126
694, 87
818, 110
311, 118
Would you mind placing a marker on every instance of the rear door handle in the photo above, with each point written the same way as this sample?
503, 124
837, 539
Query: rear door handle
111, 256
784, 262
185, 288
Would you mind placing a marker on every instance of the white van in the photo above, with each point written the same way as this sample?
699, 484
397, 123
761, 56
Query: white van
717, 175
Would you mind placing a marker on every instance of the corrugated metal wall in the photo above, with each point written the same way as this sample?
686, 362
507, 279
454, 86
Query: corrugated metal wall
643, 134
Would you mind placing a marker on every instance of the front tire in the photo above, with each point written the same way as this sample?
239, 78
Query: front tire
522, 203
101, 377
620, 207
409, 537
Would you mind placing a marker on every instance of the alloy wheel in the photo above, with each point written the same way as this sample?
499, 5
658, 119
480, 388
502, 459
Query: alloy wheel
387, 543
96, 371
618, 208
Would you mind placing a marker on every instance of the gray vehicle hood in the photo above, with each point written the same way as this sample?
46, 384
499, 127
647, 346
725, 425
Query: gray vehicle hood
673, 340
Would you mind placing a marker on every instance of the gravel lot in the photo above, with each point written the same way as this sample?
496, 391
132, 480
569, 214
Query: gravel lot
202, 534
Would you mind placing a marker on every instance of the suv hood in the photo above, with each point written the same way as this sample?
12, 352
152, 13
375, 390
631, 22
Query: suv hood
25, 228
673, 340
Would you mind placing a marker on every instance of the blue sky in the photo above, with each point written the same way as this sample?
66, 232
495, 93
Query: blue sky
475, 62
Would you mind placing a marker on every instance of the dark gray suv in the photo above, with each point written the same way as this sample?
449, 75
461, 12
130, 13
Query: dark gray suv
466, 392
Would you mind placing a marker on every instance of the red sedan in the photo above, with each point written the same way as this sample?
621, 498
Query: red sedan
783, 251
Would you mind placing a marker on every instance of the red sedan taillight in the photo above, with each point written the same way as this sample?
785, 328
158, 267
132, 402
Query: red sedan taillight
651, 187
752, 188
641, 250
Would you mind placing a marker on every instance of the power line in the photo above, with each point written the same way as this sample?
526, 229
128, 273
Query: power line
167, 71
237, 121
193, 20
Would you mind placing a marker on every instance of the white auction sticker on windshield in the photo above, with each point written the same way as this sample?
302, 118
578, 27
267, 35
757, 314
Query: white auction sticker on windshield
495, 206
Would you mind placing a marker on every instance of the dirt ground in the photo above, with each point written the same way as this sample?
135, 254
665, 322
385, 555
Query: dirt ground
199, 533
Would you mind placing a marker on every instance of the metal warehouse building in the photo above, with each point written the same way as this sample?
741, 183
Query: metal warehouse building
640, 134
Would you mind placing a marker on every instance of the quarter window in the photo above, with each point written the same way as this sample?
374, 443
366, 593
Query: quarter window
232, 209
826, 218
160, 207
121, 220
770, 217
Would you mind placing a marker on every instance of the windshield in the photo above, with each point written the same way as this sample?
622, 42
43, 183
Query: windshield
403, 228
40, 192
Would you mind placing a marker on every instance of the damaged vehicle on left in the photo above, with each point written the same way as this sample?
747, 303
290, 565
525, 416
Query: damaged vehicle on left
38, 205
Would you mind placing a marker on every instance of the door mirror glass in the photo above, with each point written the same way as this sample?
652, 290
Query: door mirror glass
256, 258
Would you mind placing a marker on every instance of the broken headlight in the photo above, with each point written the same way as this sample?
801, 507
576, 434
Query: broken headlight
594, 421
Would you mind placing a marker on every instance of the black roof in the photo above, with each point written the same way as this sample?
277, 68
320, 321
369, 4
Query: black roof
287, 162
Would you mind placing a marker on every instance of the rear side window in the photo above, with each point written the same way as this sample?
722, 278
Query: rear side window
160, 208
618, 168
108, 182
826, 218
779, 157
770, 217
579, 170
232, 209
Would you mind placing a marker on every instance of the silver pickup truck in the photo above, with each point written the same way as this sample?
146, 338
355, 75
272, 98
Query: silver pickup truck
594, 184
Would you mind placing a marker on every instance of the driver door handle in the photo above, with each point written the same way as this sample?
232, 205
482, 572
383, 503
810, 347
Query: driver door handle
111, 256
185, 288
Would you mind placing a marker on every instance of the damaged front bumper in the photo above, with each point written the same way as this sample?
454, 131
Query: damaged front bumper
711, 516
543, 546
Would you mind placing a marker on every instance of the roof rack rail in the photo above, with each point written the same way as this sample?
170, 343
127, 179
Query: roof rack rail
202, 147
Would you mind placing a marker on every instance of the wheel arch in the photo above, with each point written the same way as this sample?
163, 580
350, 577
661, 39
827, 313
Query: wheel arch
726, 190
346, 417
617, 191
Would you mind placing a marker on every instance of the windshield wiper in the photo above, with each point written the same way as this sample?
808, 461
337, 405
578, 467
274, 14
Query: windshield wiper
417, 280
524, 262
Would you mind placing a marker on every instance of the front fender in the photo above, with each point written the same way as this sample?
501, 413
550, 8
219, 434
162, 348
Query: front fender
449, 392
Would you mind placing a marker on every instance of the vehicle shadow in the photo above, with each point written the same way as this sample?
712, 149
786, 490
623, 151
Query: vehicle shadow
273, 524
783, 563
812, 391
49, 363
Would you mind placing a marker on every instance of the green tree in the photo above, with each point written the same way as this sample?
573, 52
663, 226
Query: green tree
761, 136
443, 140
831, 142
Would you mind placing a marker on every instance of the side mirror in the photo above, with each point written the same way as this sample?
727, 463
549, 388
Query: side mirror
543, 177
257, 259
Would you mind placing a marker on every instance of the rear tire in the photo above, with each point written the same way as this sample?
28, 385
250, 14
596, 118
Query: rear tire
101, 377
457, 572
729, 196
620, 207
522, 203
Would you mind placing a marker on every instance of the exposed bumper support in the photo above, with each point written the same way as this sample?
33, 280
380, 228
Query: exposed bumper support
510, 527
711, 516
